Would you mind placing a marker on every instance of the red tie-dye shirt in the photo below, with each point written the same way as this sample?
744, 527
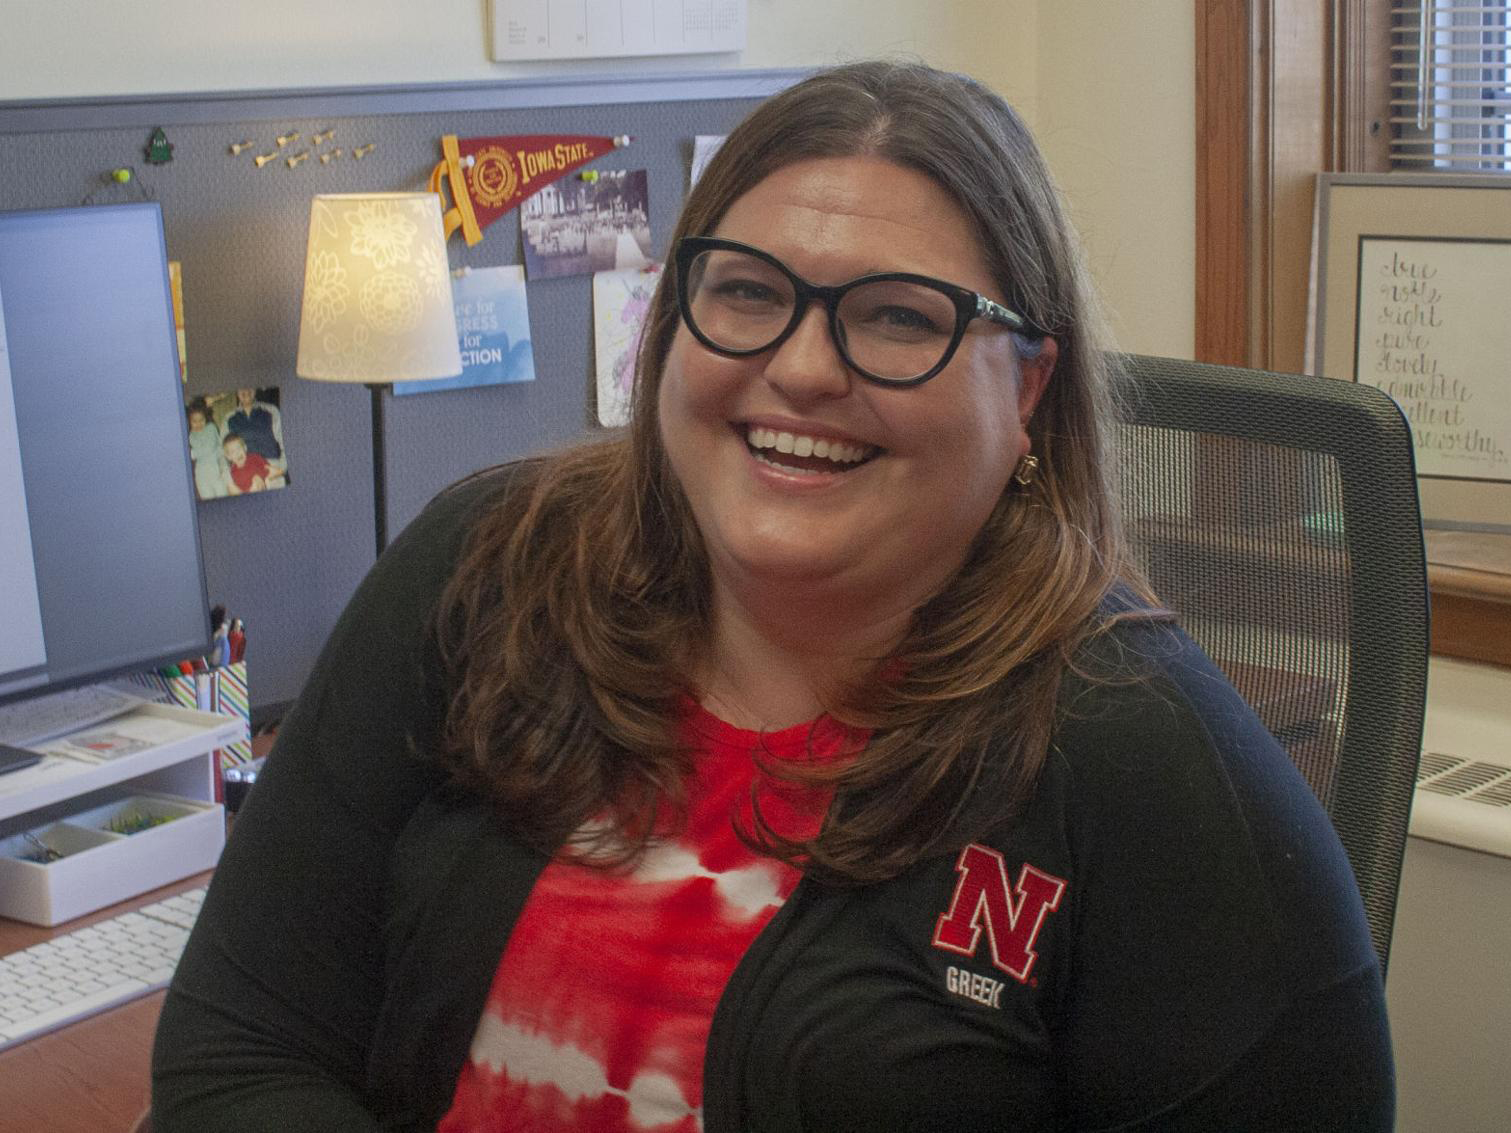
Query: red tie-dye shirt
599, 1012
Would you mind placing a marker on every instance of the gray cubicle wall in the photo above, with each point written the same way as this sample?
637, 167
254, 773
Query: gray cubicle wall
287, 561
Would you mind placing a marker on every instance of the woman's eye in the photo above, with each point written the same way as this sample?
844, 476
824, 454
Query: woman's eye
908, 317
899, 320
749, 291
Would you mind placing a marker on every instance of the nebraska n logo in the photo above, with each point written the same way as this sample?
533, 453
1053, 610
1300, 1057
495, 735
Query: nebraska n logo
1012, 916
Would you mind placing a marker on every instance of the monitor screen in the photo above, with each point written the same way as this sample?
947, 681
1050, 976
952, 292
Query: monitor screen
100, 568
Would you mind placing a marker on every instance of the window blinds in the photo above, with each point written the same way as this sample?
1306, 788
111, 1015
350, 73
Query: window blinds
1450, 86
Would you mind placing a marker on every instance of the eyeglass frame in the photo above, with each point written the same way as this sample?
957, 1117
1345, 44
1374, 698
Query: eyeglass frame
969, 306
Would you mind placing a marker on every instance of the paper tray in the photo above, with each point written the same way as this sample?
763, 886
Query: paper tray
101, 866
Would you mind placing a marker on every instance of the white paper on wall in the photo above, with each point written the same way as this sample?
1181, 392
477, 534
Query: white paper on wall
524, 30
621, 300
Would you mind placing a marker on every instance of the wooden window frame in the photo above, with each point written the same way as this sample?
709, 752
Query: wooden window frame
1286, 89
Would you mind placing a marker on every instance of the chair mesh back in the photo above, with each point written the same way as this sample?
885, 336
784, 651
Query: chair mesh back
1277, 515
1265, 593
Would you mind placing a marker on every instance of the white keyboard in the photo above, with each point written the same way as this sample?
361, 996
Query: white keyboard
42, 718
80, 973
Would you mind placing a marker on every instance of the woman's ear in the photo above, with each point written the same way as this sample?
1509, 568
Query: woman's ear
1033, 377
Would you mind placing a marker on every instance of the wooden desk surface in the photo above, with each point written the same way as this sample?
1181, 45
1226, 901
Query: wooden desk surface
91, 1076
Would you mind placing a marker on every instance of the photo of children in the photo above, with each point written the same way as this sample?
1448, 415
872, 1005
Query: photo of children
236, 442
576, 227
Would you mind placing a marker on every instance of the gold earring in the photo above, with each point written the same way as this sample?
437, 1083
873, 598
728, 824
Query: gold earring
1027, 470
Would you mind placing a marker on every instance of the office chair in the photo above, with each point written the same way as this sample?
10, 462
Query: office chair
1277, 515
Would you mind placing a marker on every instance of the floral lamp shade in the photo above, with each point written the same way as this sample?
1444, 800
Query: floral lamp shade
377, 291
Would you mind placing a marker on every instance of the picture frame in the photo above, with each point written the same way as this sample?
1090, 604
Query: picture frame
1411, 292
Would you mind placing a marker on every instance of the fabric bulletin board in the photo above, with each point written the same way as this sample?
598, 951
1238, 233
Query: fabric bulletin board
287, 561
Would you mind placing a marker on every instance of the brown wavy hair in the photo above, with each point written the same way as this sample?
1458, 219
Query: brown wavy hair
576, 616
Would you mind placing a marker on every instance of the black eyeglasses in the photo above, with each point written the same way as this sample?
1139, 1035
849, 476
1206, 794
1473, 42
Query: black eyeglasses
893, 328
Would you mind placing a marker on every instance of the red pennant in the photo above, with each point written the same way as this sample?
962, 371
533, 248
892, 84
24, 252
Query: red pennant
490, 176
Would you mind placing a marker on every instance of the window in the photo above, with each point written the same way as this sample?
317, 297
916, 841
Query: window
1450, 86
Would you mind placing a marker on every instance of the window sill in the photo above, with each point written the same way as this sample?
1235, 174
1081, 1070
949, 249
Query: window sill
1469, 574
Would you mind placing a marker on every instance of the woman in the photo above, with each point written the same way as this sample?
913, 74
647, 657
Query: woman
809, 759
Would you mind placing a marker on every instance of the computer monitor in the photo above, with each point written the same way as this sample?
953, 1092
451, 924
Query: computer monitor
100, 566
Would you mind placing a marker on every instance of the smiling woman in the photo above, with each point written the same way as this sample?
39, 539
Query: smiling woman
811, 756
849, 556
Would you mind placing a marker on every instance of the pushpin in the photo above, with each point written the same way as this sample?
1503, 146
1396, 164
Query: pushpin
325, 158
285, 139
120, 176
263, 159
622, 140
362, 151
588, 175
237, 147
469, 161
325, 137
298, 157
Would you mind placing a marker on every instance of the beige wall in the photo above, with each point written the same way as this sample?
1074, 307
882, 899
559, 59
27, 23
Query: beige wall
1116, 116
1107, 84
60, 48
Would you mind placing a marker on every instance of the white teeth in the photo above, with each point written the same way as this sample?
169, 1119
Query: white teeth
838, 452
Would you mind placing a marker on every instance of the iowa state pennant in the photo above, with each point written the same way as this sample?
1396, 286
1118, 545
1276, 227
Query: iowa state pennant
489, 176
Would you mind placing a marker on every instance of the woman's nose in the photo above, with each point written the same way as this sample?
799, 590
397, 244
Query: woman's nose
808, 365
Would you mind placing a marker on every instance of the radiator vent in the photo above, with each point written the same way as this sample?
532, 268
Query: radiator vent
1463, 802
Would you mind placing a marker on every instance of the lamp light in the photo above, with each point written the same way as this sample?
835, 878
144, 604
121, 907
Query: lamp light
377, 303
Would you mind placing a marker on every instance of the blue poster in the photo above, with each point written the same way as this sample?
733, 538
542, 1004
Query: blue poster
493, 329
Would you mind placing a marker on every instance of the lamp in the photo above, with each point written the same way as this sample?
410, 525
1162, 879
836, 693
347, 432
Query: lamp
377, 303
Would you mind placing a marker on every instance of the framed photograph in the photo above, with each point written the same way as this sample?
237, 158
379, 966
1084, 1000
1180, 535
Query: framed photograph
1412, 293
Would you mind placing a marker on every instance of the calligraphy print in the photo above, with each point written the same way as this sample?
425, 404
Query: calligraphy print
1432, 332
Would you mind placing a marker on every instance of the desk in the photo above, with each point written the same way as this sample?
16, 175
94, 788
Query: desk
91, 1076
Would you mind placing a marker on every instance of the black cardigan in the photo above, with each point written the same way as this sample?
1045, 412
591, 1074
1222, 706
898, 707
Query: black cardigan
1169, 936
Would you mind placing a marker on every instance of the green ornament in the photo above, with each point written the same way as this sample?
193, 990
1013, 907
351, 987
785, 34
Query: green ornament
159, 148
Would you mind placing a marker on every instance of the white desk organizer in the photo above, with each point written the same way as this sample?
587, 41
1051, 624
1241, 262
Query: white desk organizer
81, 808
